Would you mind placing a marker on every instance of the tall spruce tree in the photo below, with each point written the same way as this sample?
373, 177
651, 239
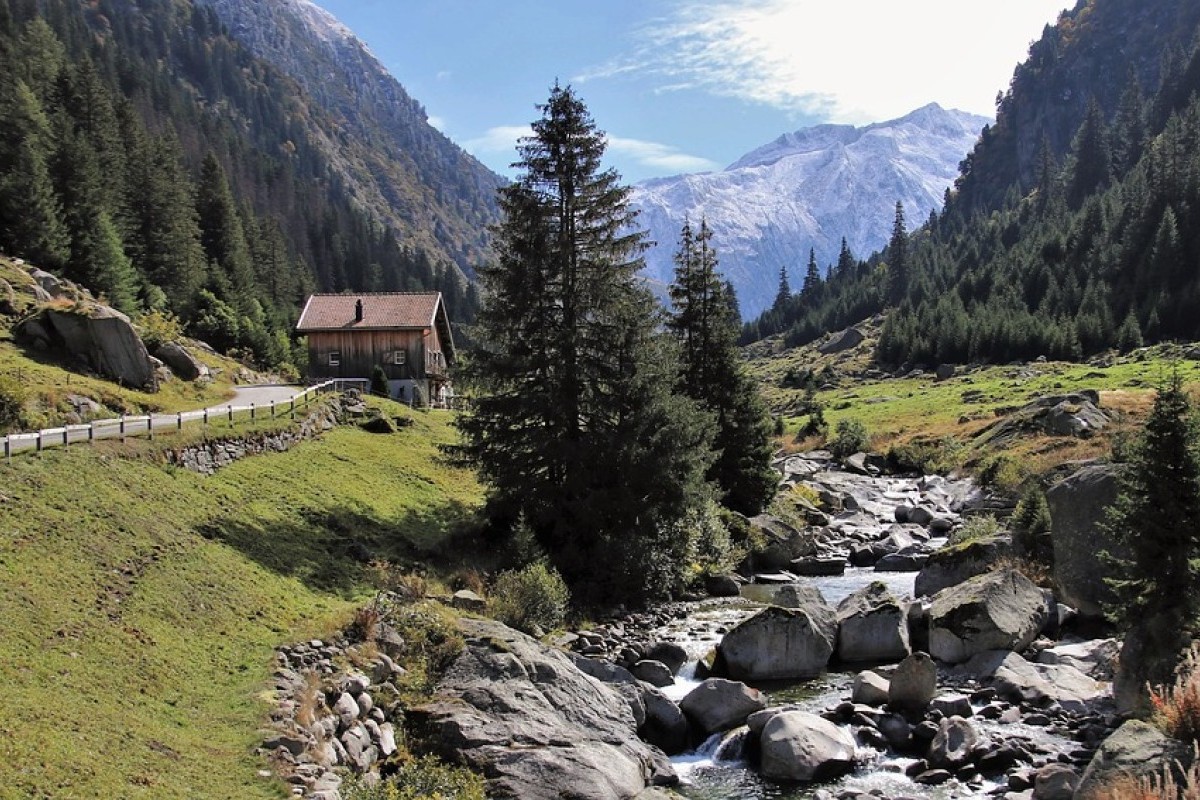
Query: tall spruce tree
784, 293
897, 254
712, 375
1157, 515
811, 290
574, 424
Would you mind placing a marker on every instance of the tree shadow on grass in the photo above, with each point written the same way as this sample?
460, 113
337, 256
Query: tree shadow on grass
327, 550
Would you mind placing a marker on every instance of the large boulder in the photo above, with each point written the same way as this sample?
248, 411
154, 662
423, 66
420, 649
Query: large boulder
956, 739
780, 644
799, 746
181, 362
526, 717
872, 626
718, 704
1077, 505
1137, 749
844, 340
955, 563
666, 726
105, 340
1002, 610
1023, 681
913, 684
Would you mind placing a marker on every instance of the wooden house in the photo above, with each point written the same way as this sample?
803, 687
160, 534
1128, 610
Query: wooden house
407, 334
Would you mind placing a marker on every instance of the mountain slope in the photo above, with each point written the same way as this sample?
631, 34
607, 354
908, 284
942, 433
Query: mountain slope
398, 166
808, 189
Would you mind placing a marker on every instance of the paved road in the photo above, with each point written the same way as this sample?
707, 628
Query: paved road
260, 395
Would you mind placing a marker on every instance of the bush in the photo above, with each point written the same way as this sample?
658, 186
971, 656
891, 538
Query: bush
158, 328
1003, 473
432, 640
530, 598
712, 548
12, 401
927, 456
980, 527
1031, 526
851, 438
379, 382
1177, 707
426, 778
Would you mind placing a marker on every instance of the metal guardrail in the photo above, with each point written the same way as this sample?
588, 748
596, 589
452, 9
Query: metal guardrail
149, 424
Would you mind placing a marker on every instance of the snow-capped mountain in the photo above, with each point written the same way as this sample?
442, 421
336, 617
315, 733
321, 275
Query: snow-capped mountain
808, 189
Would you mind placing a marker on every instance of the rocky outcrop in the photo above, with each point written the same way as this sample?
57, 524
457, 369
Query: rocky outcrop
1022, 681
101, 337
780, 644
1077, 506
1002, 610
872, 626
1078, 415
799, 746
523, 715
845, 340
1137, 749
955, 563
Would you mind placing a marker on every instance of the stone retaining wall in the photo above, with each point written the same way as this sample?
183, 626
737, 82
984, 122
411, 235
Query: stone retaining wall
209, 456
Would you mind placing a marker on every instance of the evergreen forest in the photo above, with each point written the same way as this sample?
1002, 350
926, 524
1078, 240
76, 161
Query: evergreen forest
1071, 228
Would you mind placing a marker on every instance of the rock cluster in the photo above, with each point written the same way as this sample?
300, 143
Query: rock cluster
328, 716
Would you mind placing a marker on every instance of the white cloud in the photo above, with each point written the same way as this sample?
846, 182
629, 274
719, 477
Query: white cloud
498, 139
659, 157
437, 122
850, 60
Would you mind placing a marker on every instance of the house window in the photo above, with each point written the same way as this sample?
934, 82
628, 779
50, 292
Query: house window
335, 358
400, 357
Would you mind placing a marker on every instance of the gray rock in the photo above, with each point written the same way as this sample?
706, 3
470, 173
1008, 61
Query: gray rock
913, 684
952, 705
944, 372
668, 653
468, 601
181, 362
1150, 653
780, 644
799, 746
1020, 680
1137, 749
539, 728
845, 340
1077, 506
869, 688
293, 744
722, 586
1055, 782
106, 340
814, 566
666, 726
1000, 610
952, 746
655, 673
910, 560
794, 595
346, 710
953, 564
387, 739
1095, 658
718, 704
872, 626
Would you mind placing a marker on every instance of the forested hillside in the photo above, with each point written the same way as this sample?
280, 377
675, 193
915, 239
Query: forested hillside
1091, 245
150, 156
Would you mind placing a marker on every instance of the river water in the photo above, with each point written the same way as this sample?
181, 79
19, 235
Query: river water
714, 771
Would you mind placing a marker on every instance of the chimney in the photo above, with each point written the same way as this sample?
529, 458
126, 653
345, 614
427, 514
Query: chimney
358, 314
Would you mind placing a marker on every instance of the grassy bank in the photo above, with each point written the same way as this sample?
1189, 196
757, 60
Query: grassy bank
141, 604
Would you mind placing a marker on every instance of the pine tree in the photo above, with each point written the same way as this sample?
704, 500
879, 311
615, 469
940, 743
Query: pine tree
897, 254
31, 218
845, 262
574, 425
1157, 514
713, 376
784, 293
1091, 166
810, 292
223, 237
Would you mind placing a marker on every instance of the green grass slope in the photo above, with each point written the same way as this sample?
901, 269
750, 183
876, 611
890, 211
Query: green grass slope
140, 604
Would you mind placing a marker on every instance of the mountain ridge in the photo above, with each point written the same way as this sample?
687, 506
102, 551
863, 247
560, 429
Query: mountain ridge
808, 188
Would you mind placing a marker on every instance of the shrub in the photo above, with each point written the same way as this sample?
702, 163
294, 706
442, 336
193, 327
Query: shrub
1003, 473
927, 456
158, 328
379, 382
712, 548
12, 401
431, 636
851, 438
426, 778
979, 527
1177, 707
530, 598
1031, 525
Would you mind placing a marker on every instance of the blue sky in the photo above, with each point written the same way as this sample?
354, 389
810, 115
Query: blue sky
691, 85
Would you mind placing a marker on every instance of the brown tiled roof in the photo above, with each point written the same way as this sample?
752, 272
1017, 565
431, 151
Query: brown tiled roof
381, 311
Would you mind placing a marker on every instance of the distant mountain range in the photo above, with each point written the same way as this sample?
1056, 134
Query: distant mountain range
808, 189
